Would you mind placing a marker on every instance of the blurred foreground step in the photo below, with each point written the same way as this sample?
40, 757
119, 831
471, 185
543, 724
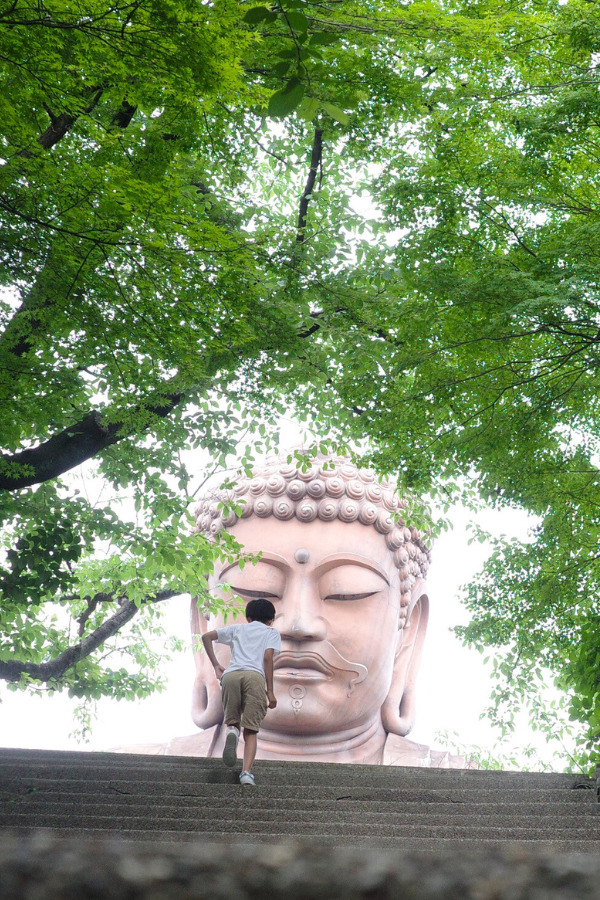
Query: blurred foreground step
55, 867
181, 799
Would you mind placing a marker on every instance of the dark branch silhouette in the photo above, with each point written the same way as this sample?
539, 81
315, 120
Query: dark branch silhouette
13, 670
315, 162
72, 446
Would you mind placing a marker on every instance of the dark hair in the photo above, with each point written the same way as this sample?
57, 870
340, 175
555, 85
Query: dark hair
260, 610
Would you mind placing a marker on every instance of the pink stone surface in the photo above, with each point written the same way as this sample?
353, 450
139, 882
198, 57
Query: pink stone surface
346, 673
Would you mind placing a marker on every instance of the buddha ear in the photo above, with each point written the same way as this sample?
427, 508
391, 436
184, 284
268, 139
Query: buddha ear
207, 708
398, 711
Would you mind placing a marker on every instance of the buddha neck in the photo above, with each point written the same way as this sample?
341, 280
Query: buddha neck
362, 744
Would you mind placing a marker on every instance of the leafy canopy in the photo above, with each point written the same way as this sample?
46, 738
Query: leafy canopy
181, 259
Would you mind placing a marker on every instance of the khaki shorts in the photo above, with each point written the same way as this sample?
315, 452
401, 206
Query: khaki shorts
244, 699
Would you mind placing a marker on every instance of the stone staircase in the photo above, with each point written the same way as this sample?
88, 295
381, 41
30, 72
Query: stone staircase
181, 799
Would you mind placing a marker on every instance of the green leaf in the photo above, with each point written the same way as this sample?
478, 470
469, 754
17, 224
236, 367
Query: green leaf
308, 108
323, 39
282, 103
282, 68
298, 21
259, 14
292, 53
336, 113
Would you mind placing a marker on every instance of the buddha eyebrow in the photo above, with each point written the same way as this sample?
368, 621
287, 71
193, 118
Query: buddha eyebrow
272, 559
330, 562
352, 559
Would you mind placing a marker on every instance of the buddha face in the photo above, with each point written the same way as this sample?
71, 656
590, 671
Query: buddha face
337, 601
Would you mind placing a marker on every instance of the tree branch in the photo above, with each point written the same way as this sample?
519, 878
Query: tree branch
71, 447
315, 162
124, 115
319, 315
13, 669
61, 125
92, 603
28, 320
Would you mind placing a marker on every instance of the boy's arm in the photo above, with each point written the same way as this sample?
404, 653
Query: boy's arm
268, 663
207, 640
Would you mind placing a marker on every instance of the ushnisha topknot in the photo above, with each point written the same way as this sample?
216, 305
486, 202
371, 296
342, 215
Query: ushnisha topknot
331, 488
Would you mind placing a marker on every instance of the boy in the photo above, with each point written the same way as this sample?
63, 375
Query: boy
245, 701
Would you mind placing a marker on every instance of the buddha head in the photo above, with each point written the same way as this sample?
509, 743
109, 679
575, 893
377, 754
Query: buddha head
346, 575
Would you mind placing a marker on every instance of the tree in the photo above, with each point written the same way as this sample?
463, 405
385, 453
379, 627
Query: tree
492, 375
176, 269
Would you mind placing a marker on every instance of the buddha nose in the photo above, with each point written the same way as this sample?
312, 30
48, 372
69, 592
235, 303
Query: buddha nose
300, 618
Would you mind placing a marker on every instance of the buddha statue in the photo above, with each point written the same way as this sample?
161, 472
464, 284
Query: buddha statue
346, 574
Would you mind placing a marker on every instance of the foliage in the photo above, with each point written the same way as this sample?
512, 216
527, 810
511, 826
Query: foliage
492, 379
181, 258
555, 756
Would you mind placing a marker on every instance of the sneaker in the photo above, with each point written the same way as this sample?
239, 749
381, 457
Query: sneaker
247, 778
230, 751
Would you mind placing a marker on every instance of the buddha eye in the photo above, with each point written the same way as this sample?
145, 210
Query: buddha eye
252, 594
347, 583
349, 597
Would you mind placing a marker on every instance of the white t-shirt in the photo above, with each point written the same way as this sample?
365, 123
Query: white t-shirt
248, 644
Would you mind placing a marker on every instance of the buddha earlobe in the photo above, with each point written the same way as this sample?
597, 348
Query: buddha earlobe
207, 708
399, 708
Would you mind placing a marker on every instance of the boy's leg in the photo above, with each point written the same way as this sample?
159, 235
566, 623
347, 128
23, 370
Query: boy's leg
254, 708
230, 749
232, 702
250, 742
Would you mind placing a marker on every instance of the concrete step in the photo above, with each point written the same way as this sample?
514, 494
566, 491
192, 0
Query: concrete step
80, 789
167, 799
289, 780
243, 804
294, 823
290, 773
299, 775
320, 825
59, 763
274, 839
